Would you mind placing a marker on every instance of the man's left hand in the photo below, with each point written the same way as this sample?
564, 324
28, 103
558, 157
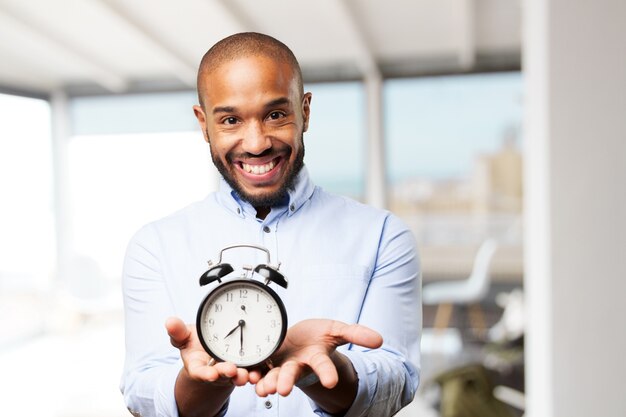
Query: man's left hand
310, 346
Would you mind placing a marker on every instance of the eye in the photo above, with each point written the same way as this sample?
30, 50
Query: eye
275, 115
229, 120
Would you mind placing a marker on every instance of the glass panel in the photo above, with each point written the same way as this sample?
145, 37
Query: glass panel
335, 142
118, 183
454, 156
455, 168
133, 113
27, 243
27, 247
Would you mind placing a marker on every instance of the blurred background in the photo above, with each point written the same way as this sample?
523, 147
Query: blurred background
493, 128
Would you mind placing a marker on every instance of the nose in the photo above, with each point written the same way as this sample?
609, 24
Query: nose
255, 140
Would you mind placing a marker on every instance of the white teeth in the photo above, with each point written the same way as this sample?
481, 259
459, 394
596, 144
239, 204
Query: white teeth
258, 169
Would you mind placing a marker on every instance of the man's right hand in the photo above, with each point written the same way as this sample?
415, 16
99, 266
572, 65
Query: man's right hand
198, 364
203, 386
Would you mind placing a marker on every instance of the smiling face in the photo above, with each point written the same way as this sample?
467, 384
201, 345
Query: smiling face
254, 116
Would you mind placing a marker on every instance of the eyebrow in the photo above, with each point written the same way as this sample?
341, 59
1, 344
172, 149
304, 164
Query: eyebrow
224, 109
278, 102
281, 101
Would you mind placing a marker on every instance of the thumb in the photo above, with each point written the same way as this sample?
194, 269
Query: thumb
360, 335
178, 332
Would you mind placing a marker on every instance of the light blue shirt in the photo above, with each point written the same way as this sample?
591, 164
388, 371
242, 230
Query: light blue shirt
344, 261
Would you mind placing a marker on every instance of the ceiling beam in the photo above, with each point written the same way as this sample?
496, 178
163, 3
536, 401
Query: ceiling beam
13, 91
241, 18
182, 67
366, 62
98, 71
375, 181
467, 34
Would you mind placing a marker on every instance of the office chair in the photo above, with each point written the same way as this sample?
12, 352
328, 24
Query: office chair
470, 291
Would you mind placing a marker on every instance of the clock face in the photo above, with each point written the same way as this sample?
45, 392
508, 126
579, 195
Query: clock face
242, 321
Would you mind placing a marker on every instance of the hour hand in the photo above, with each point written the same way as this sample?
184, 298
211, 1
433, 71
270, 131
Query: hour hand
240, 324
232, 331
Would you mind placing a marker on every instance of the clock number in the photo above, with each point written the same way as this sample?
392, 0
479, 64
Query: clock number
215, 337
211, 322
227, 346
269, 308
218, 308
243, 293
267, 338
229, 296
258, 349
273, 324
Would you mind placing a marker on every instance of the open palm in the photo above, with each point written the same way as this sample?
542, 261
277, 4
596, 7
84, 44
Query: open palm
310, 346
198, 364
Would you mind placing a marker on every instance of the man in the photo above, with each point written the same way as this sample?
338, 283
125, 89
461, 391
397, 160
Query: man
353, 301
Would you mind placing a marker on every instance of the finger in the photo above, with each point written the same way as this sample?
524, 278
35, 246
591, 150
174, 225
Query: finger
259, 388
228, 372
242, 377
325, 369
267, 384
255, 376
357, 334
178, 332
226, 369
290, 372
270, 380
198, 369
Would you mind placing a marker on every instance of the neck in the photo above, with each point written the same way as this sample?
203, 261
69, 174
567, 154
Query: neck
262, 212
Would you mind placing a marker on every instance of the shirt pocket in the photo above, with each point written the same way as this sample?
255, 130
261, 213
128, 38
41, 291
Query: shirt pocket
331, 291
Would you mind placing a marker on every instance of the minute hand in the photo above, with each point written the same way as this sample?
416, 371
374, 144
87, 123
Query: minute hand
241, 324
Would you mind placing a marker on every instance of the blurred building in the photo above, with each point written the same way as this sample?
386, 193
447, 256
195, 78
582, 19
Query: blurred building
497, 179
451, 217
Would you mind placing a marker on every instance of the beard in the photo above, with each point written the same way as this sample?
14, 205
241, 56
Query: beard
269, 199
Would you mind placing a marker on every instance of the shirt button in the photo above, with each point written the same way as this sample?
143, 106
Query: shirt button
268, 404
266, 229
292, 207
238, 210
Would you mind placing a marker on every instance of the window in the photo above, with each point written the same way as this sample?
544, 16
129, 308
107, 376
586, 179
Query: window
455, 166
27, 244
335, 142
120, 182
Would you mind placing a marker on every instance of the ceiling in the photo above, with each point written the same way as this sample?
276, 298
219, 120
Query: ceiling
118, 46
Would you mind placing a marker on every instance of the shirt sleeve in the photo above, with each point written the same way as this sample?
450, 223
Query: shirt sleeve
151, 364
389, 376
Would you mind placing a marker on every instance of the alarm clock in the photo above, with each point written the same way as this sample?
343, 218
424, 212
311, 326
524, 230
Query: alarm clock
242, 320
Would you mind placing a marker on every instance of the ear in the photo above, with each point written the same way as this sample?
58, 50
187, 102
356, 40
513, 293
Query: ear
306, 110
199, 112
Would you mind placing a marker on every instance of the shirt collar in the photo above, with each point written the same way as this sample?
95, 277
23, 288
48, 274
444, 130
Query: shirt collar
299, 195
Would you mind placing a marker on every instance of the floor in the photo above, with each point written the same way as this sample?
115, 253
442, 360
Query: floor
69, 374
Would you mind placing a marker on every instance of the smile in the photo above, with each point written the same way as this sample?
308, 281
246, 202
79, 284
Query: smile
258, 169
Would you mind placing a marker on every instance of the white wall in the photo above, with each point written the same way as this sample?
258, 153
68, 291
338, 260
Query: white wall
575, 69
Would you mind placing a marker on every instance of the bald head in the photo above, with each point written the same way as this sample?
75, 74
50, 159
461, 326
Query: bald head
242, 45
